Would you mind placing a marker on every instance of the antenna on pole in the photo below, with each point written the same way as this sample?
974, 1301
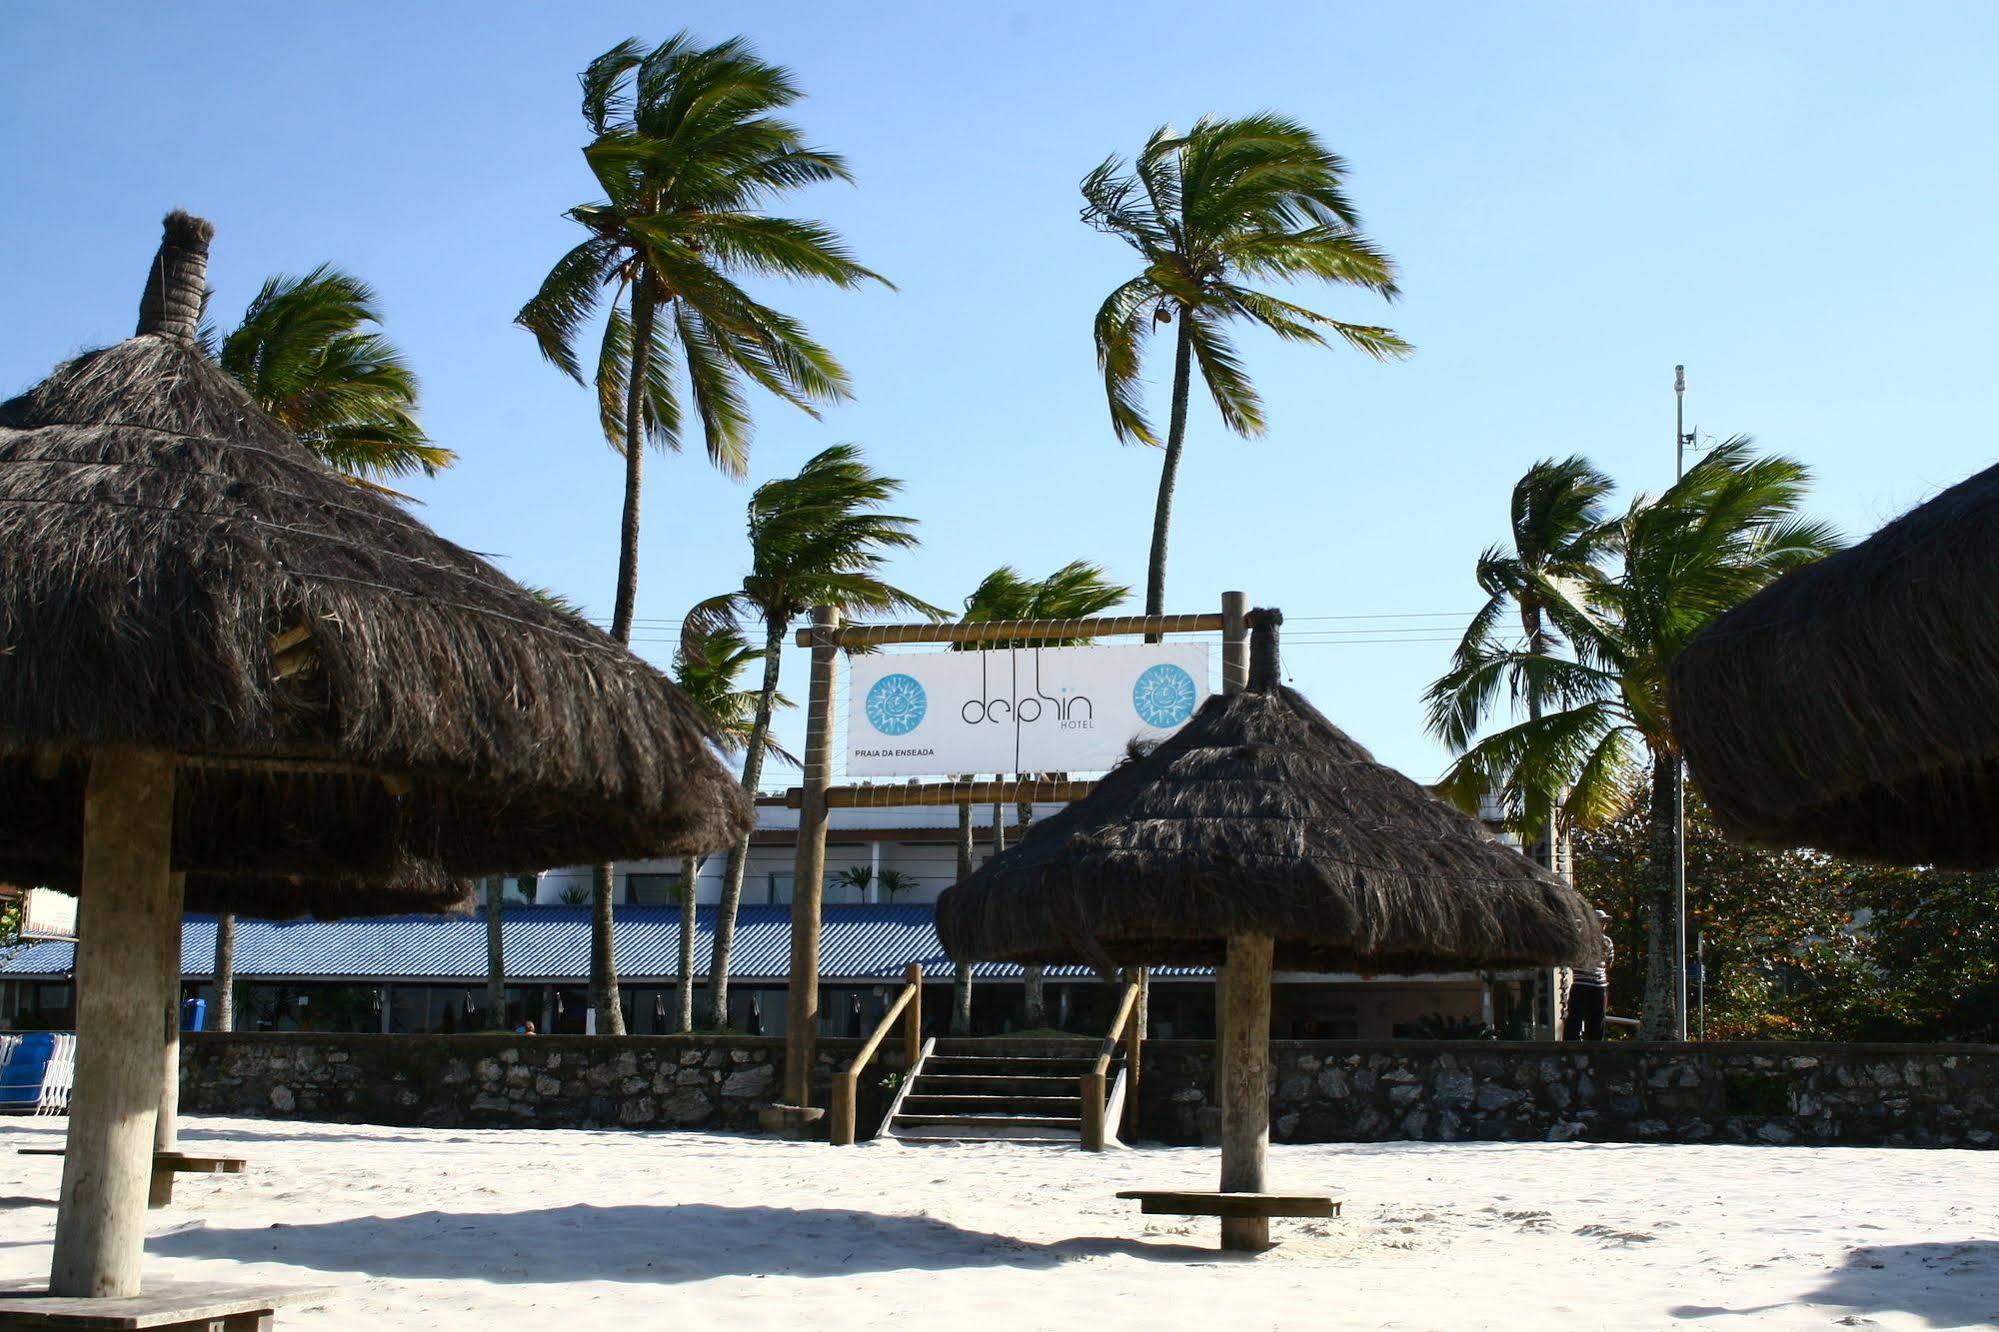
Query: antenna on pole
1679, 421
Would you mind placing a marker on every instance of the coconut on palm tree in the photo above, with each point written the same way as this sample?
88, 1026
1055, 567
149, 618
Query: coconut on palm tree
311, 353
1075, 590
706, 668
1559, 534
1228, 204
1723, 531
819, 538
688, 147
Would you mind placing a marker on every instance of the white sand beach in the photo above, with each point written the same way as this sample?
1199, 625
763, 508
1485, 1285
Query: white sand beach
495, 1230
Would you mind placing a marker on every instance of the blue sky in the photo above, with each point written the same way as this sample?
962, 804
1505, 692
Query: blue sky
1796, 201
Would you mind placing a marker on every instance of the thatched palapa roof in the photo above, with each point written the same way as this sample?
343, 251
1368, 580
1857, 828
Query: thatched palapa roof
1853, 705
1261, 817
355, 701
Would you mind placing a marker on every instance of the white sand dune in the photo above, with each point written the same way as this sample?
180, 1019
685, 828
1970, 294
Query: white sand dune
562, 1231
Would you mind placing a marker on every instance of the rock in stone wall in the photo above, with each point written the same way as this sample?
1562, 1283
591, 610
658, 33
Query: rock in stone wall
1620, 1091
502, 1080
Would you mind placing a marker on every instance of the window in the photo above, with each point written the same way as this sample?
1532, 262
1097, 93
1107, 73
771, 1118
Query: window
777, 888
652, 889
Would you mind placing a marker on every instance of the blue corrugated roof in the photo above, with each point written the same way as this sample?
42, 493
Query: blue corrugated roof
553, 943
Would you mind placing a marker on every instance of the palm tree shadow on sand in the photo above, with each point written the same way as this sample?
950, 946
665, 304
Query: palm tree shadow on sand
666, 1244
1945, 1284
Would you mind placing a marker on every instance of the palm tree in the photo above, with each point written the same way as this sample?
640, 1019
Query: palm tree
707, 667
686, 147
1228, 203
310, 352
1075, 590
1726, 529
1559, 535
816, 539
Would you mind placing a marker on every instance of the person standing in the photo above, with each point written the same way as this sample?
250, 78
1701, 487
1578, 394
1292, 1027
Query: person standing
1589, 993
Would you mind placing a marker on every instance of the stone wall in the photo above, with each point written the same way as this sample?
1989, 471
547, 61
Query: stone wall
501, 1080
1322, 1091
1619, 1091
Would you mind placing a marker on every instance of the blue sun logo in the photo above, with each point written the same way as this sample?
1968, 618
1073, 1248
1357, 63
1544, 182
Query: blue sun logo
1163, 695
896, 704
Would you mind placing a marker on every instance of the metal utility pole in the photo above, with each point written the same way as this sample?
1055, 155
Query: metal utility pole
1680, 441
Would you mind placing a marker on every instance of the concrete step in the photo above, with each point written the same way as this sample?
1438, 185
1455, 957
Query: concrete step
904, 1118
1024, 1137
947, 1084
922, 1102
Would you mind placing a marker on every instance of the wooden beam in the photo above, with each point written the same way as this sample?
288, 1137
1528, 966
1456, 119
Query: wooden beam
1245, 1082
126, 899
808, 880
1000, 631
1235, 641
890, 796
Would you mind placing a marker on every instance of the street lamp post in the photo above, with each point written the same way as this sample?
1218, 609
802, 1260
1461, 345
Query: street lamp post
1680, 441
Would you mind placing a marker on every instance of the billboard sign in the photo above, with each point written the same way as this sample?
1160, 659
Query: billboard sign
1013, 710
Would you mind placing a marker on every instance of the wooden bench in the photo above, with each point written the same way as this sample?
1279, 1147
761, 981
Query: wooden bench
165, 1166
168, 1306
1204, 1203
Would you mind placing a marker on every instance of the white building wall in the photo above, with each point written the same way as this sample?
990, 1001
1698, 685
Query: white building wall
931, 866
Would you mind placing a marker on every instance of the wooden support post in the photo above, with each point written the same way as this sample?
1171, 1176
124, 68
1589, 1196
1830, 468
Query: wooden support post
1134, 1067
1235, 642
912, 1019
166, 1125
840, 1120
1093, 1111
128, 809
1245, 1082
808, 880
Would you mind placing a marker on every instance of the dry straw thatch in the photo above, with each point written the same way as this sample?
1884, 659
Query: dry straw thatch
1853, 705
358, 704
1261, 817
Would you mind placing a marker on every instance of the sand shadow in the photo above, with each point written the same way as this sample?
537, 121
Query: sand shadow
653, 1243
1945, 1284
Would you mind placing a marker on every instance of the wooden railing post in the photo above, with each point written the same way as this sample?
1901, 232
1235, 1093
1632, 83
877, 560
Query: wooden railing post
1093, 1112
912, 1021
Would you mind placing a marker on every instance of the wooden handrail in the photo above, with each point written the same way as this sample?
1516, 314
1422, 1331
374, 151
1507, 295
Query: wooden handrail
908, 1006
1096, 1083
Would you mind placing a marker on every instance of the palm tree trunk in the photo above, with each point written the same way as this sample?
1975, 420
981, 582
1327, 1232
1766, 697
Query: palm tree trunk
690, 874
603, 959
225, 973
1660, 1018
1169, 472
1537, 645
739, 854
961, 972
496, 964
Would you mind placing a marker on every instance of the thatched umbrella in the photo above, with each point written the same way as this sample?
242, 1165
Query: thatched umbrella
1261, 834
1853, 705
220, 660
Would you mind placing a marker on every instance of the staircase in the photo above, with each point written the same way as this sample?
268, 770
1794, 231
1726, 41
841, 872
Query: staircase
997, 1090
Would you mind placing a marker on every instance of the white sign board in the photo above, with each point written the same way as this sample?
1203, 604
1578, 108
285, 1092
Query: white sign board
1012, 710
